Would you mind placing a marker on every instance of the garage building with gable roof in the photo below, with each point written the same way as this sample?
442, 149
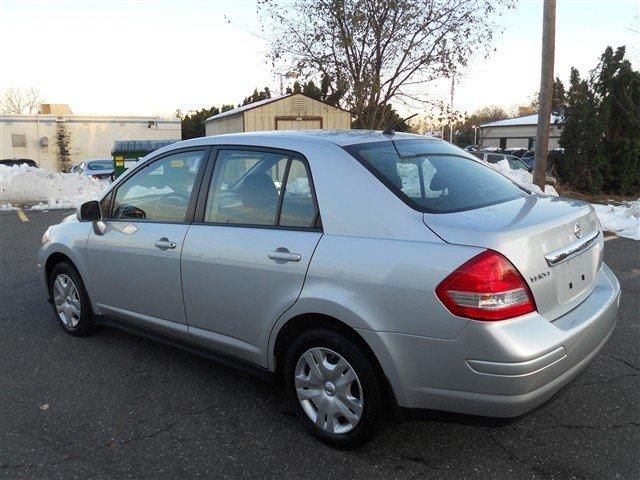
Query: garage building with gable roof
285, 112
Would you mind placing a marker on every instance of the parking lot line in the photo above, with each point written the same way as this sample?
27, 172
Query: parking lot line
612, 237
22, 215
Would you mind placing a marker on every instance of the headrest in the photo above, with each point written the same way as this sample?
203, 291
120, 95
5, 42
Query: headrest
258, 190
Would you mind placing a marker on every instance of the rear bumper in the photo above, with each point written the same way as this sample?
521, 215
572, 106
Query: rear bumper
499, 369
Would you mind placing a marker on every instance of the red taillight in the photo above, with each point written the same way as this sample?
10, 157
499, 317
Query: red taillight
487, 287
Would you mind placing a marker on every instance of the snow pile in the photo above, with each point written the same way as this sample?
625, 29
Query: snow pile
521, 177
623, 220
45, 190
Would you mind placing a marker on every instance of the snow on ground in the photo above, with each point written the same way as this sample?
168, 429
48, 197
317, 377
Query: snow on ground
45, 190
623, 220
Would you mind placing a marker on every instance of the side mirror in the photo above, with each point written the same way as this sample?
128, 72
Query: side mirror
89, 212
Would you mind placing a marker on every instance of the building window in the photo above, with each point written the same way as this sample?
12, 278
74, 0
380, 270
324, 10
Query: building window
18, 140
530, 143
503, 143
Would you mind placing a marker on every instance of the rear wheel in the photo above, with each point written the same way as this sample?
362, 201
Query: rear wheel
70, 301
333, 387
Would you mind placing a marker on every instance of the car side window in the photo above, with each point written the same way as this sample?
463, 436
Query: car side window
493, 158
244, 188
160, 191
250, 187
298, 207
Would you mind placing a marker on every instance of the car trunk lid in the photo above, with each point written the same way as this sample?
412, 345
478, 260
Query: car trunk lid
555, 243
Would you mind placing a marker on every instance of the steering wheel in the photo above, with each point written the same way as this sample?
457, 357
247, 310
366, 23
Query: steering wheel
172, 205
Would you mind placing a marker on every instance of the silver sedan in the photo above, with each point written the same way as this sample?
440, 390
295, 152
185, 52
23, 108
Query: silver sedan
367, 271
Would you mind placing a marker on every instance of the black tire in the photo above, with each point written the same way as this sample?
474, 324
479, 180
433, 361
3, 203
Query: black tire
85, 325
365, 371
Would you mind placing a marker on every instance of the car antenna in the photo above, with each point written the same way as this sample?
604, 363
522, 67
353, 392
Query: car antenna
389, 130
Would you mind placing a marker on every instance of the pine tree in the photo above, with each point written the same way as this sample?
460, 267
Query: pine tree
617, 87
582, 165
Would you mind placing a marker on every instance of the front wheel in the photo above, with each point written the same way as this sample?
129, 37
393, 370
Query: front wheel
333, 387
70, 300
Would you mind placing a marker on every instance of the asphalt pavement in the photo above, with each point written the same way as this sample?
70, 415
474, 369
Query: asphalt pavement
117, 406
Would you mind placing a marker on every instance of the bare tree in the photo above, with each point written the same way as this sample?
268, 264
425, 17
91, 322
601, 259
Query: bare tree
376, 51
16, 101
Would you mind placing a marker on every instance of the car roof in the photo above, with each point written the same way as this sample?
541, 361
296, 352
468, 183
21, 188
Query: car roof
336, 137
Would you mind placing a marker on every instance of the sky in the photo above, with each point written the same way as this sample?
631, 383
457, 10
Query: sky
152, 57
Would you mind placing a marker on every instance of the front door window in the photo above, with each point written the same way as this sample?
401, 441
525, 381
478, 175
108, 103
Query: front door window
160, 191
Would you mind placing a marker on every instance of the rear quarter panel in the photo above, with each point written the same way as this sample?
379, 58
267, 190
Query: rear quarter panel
381, 284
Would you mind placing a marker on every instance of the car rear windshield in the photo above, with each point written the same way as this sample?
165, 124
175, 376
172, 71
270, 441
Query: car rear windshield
433, 176
100, 165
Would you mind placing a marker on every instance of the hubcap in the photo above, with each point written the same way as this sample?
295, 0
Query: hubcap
66, 300
329, 390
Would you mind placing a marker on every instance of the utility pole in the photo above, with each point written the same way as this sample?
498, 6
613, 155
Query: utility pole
546, 92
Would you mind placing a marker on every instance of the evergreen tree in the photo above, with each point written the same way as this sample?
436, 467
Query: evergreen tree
617, 87
583, 164
559, 98
256, 96
310, 89
193, 124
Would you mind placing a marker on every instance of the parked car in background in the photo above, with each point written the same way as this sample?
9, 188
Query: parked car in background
100, 168
459, 291
514, 162
516, 152
528, 157
11, 162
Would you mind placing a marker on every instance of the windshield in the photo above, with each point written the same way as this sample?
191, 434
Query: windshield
434, 176
100, 165
516, 164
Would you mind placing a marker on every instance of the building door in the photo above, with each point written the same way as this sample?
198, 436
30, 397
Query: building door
298, 123
503, 143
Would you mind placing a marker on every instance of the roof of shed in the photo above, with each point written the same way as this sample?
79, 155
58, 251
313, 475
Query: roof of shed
249, 106
259, 103
526, 120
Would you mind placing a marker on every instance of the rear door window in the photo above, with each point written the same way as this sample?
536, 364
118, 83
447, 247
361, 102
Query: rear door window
252, 187
434, 176
244, 188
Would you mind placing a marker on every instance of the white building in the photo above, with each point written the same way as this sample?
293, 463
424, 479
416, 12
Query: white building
517, 132
58, 141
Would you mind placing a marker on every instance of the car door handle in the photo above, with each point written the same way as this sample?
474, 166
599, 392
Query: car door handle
284, 255
165, 244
